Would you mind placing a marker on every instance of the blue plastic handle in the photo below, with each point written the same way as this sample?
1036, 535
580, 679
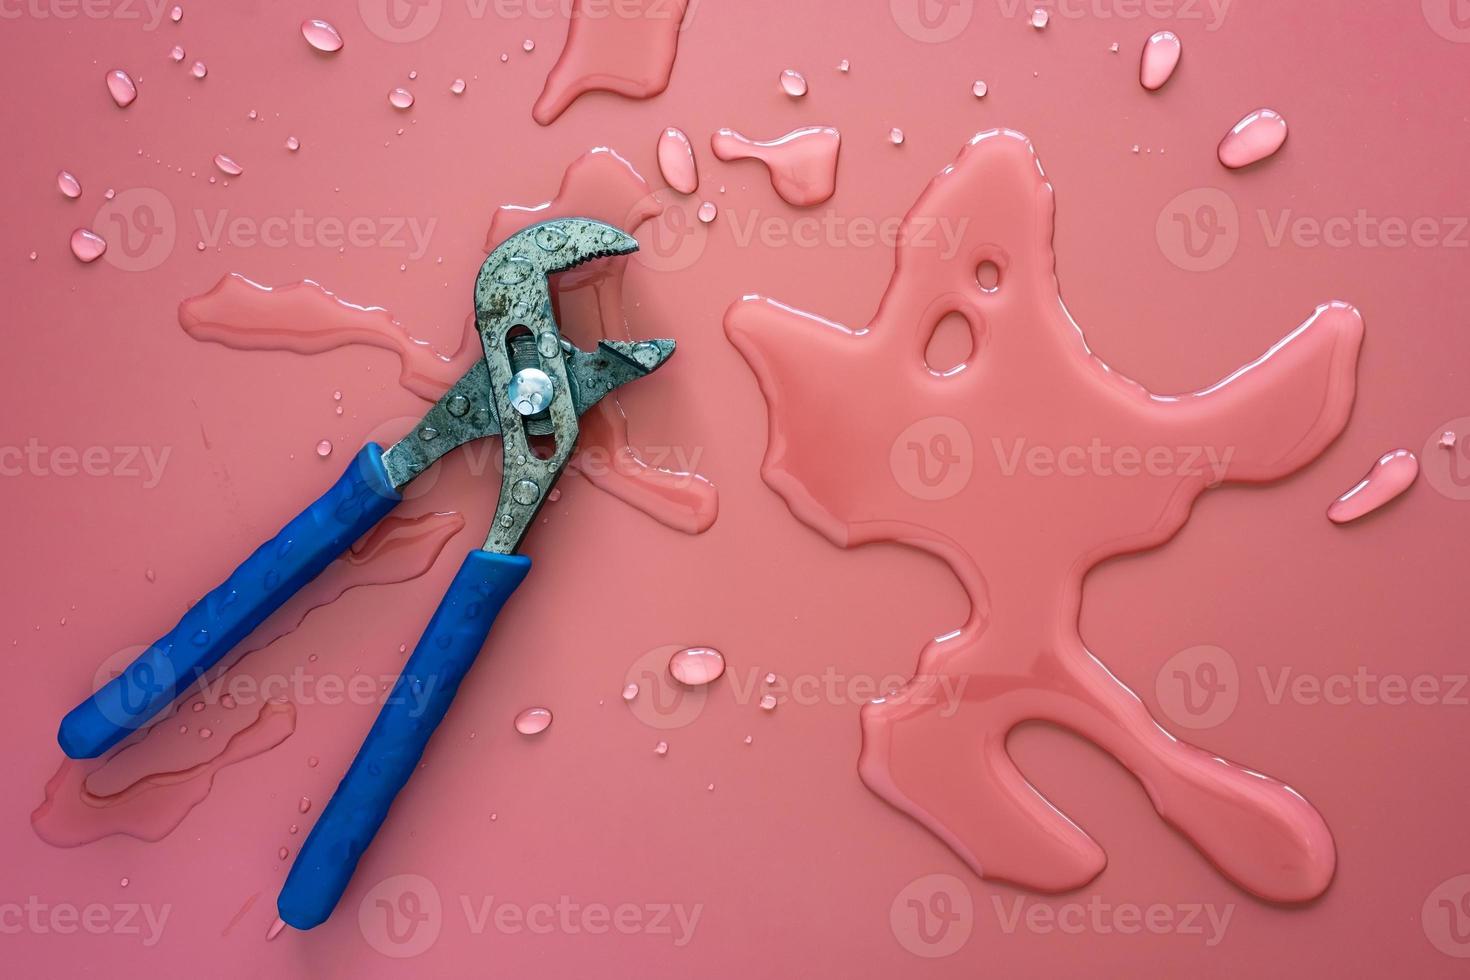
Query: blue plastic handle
213, 625
397, 739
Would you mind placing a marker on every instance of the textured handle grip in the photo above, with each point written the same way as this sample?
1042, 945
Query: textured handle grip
213, 625
397, 739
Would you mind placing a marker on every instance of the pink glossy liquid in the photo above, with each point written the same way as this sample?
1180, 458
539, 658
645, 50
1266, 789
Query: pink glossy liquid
676, 161
1160, 57
802, 164
1254, 138
630, 52
877, 447
1394, 473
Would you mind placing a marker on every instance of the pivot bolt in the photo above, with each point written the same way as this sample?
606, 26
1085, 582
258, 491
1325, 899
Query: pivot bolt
530, 391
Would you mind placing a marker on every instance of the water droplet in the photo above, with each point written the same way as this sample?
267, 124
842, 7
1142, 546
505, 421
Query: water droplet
844, 65
120, 86
183, 729
304, 805
554, 495
293, 144
1040, 18
400, 98
895, 136
428, 433
711, 787
87, 245
176, 14
198, 706
748, 740
227, 165
707, 212
630, 692
68, 184
457, 86
1254, 138
1447, 440
662, 748
227, 702
324, 448
293, 829
793, 83
533, 721
1160, 57
771, 678
283, 854
696, 666
108, 194
768, 702
504, 57
177, 54
321, 35
1394, 473
33, 256
528, 45
252, 115
494, 817
205, 732
676, 161
979, 88
277, 927
312, 762
150, 575
198, 69
1113, 47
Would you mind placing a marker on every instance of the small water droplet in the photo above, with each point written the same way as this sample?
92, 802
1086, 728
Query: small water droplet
528, 45
293, 829
321, 35
1113, 47
895, 136
844, 65
533, 721
771, 678
793, 83
400, 98
312, 762
227, 702
150, 575
697, 666
412, 75
768, 702
554, 495
1160, 57
457, 86
205, 732
304, 805
1447, 440
1254, 138
494, 817
176, 14
324, 448
283, 854
711, 787
504, 57
120, 86
1040, 18
630, 692
198, 69
198, 706
748, 740
662, 748
183, 729
979, 89
428, 433
33, 256
227, 165
67, 183
707, 211
87, 245
277, 927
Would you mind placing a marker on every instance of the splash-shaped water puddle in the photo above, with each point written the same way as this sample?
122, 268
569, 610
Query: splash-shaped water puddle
802, 164
878, 447
1390, 476
629, 54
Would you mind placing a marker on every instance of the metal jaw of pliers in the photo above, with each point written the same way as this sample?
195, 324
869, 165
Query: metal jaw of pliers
530, 389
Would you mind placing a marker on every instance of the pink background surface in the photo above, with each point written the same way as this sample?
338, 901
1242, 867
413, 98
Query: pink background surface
792, 865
